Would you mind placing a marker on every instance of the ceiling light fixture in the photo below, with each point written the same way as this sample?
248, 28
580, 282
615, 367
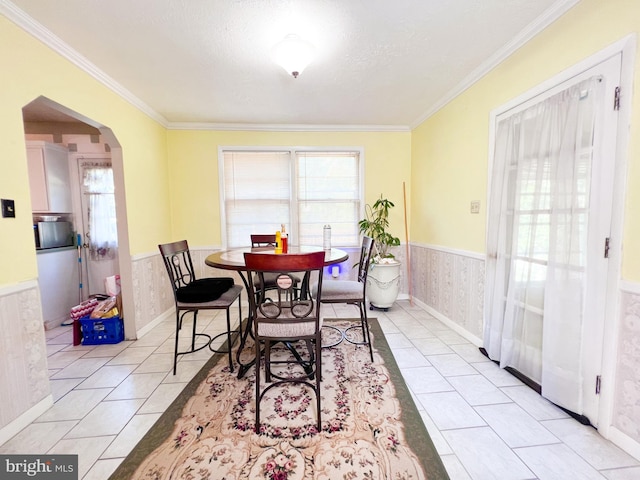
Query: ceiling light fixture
293, 54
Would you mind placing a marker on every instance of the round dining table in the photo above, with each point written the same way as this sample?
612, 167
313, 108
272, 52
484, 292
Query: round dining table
234, 260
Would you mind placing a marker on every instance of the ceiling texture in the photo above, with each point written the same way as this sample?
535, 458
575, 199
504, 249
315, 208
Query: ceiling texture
380, 64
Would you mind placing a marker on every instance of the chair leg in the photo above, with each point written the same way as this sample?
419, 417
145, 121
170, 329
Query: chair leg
258, 353
175, 350
366, 335
267, 361
318, 378
193, 333
229, 349
311, 370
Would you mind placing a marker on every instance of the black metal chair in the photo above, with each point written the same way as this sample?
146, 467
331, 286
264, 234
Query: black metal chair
353, 292
192, 295
284, 314
263, 240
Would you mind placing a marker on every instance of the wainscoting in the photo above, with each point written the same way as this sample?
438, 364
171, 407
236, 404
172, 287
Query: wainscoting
24, 378
450, 283
626, 405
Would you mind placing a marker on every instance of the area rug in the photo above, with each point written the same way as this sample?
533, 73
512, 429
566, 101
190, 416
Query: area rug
370, 426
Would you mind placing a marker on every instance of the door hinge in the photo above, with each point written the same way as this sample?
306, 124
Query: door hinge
598, 384
606, 247
616, 99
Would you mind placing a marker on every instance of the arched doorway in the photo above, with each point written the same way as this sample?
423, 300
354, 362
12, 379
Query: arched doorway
46, 117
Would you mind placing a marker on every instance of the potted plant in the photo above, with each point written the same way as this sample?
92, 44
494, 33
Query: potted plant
383, 280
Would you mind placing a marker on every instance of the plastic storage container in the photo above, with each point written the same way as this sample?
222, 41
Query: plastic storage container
97, 331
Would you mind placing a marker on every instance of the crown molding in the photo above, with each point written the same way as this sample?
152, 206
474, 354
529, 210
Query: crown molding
37, 30
552, 14
258, 127
28, 24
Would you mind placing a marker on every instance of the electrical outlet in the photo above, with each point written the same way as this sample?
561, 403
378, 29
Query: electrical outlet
475, 206
8, 208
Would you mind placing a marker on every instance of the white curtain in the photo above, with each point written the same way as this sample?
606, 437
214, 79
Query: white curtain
99, 188
537, 240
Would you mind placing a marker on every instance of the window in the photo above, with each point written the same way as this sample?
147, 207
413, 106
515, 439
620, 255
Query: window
302, 189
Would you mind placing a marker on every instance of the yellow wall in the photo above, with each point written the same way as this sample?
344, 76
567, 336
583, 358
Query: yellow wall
193, 160
450, 149
30, 70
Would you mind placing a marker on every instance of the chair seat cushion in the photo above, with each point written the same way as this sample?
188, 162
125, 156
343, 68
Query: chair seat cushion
287, 330
336, 290
204, 290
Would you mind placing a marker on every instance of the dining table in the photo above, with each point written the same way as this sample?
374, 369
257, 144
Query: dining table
233, 259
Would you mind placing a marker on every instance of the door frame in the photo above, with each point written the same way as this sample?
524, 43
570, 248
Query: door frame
626, 47
124, 251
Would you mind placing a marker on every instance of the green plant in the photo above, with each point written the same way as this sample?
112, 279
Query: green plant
375, 225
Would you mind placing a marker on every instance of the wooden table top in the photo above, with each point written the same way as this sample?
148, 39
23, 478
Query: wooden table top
234, 259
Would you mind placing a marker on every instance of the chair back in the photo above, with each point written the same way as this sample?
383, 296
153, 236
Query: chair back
365, 258
288, 301
263, 240
177, 260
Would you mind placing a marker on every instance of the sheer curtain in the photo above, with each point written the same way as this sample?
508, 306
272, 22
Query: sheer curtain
98, 186
537, 240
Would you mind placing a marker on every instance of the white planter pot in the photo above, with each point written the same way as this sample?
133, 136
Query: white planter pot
383, 284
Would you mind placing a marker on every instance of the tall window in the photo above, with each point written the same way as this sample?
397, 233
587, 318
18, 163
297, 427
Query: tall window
302, 189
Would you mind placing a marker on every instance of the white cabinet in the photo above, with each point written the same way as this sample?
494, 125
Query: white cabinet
49, 177
59, 282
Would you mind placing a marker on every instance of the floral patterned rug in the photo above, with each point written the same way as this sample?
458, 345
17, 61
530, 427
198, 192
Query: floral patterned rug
370, 426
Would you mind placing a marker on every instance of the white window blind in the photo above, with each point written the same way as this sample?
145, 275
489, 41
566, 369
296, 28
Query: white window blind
328, 193
302, 189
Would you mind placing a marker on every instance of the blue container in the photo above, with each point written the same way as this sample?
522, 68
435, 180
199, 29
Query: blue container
98, 331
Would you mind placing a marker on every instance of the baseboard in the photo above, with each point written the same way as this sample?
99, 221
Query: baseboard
624, 441
155, 322
451, 324
13, 428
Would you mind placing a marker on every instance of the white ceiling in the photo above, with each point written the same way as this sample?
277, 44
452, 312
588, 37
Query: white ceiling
380, 63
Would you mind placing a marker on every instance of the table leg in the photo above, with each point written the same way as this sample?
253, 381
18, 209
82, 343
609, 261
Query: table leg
244, 367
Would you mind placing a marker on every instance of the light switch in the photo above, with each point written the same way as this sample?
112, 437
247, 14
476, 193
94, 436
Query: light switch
475, 206
8, 208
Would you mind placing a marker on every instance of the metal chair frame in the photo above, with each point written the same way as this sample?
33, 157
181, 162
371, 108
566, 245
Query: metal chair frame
177, 260
273, 310
366, 251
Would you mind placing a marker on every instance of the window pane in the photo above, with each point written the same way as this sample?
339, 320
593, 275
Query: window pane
328, 193
260, 194
256, 194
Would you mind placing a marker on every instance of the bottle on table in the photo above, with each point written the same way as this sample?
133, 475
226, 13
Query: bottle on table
284, 237
278, 242
326, 237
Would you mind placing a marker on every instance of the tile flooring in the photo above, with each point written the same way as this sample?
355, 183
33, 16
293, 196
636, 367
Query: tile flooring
485, 423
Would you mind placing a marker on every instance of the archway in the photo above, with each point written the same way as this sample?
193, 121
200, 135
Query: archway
45, 112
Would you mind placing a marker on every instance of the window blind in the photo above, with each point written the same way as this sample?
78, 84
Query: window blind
302, 189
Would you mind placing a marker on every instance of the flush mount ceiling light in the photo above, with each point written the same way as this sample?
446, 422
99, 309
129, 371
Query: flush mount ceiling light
293, 54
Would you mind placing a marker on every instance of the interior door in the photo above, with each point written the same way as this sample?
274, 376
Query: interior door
547, 291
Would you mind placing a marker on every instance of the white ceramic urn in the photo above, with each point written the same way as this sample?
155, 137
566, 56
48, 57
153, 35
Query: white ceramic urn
383, 284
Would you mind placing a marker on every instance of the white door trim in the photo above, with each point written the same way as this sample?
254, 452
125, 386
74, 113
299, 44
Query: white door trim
627, 48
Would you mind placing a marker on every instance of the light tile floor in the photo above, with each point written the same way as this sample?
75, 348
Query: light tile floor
484, 423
